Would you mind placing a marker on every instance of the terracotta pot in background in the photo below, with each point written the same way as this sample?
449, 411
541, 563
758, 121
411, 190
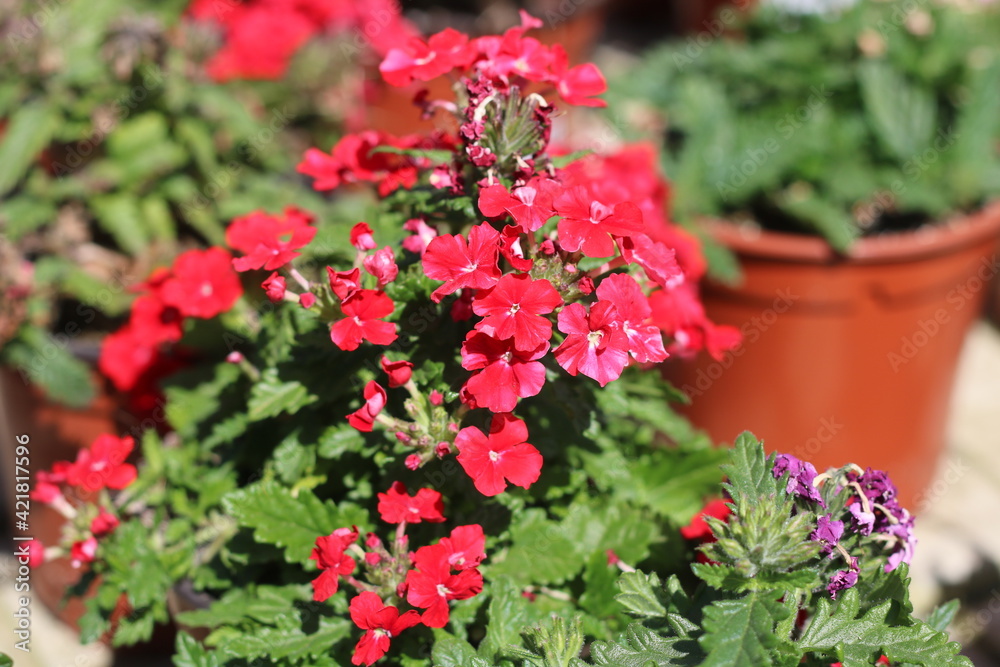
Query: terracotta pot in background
845, 359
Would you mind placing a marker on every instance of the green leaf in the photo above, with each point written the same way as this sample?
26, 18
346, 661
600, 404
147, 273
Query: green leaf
902, 114
943, 615
740, 633
506, 615
748, 470
119, 216
540, 552
338, 440
725, 577
46, 361
270, 397
291, 522
288, 642
641, 595
260, 603
641, 647
674, 484
190, 653
451, 651
30, 129
6, 660
857, 641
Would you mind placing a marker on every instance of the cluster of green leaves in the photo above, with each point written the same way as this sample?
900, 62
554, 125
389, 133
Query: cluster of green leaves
745, 617
116, 152
881, 117
258, 467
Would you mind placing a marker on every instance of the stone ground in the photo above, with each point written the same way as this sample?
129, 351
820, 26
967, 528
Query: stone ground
958, 554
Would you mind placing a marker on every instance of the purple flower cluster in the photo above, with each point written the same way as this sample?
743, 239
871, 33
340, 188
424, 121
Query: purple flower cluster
873, 508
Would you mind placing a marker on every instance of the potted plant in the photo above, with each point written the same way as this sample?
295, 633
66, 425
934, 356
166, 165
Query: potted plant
123, 143
853, 156
421, 438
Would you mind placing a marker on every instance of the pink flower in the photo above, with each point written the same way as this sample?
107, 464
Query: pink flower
104, 523
514, 309
381, 624
422, 235
47, 483
577, 85
595, 344
329, 554
102, 465
307, 300
36, 553
432, 585
502, 456
364, 417
274, 287
505, 373
395, 506
465, 547
656, 259
462, 264
399, 372
344, 283
382, 265
645, 341
83, 551
203, 283
420, 61
587, 224
268, 241
362, 238
364, 309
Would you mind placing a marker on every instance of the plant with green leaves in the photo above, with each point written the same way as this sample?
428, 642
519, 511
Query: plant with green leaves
878, 117
117, 151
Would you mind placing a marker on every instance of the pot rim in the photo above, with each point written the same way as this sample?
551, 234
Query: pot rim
955, 232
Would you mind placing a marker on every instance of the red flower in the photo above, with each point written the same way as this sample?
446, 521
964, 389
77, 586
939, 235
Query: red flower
153, 321
36, 553
83, 551
432, 585
268, 241
422, 61
698, 529
577, 85
465, 547
503, 456
381, 624
587, 224
505, 373
529, 205
595, 344
395, 506
656, 259
103, 464
382, 265
399, 372
363, 309
344, 283
514, 308
361, 237
103, 524
274, 287
125, 357
510, 248
679, 313
203, 283
463, 264
260, 42
47, 483
329, 554
645, 340
364, 417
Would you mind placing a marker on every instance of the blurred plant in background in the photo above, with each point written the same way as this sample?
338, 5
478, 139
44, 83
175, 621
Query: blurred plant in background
883, 116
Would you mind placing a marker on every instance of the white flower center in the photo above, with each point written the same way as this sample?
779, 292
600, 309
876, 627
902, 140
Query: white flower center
594, 337
494, 456
443, 591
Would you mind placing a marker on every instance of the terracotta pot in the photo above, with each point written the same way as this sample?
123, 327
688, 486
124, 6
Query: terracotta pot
845, 359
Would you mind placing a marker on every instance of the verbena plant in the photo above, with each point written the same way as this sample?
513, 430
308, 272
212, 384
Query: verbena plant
876, 118
128, 133
450, 452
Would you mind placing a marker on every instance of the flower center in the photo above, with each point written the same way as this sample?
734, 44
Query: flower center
443, 591
514, 307
598, 212
470, 268
206, 289
594, 337
494, 456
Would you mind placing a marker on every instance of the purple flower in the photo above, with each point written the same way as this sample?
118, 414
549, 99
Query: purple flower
828, 532
861, 521
841, 580
800, 477
903, 532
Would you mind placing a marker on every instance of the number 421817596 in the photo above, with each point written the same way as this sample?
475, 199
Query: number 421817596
21, 481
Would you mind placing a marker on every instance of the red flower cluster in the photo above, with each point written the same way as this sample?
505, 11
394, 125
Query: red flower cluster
428, 579
260, 37
200, 284
101, 466
506, 59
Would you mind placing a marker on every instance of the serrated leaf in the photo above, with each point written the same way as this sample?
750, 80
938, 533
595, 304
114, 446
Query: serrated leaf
291, 522
748, 471
857, 641
292, 642
451, 651
46, 362
641, 647
943, 615
740, 633
506, 615
540, 553
337, 441
640, 594
190, 653
271, 397
260, 603
725, 577
31, 128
